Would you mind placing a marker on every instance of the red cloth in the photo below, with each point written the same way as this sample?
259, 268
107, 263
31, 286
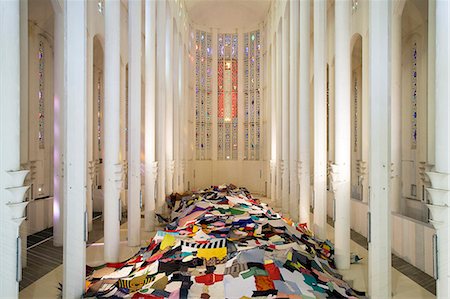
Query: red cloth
264, 283
209, 279
154, 257
274, 272
115, 265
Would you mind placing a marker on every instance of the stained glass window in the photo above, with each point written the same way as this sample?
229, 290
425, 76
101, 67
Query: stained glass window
203, 96
227, 97
414, 97
99, 118
252, 95
355, 113
41, 95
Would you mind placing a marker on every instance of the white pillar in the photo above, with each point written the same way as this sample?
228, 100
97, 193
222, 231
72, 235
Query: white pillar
396, 106
169, 103
431, 89
176, 107
320, 125
58, 126
278, 100
75, 231
161, 100
90, 130
440, 177
151, 166
341, 168
285, 116
214, 127
293, 109
182, 115
112, 165
379, 201
134, 119
304, 132
273, 123
24, 115
12, 206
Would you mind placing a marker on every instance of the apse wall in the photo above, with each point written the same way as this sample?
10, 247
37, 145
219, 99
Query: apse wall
228, 103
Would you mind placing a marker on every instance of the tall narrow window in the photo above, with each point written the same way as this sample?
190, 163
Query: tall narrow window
41, 95
227, 83
414, 96
355, 113
99, 116
203, 96
252, 96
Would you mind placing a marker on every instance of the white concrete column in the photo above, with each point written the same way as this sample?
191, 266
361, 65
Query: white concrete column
12, 207
278, 100
161, 102
342, 168
182, 116
396, 106
241, 102
380, 139
214, 87
169, 103
293, 108
90, 130
285, 116
75, 230
24, 115
320, 120
24, 97
58, 123
112, 165
440, 177
273, 123
134, 121
304, 131
431, 89
151, 166
176, 109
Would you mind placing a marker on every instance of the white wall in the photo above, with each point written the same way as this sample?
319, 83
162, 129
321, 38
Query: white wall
412, 240
250, 174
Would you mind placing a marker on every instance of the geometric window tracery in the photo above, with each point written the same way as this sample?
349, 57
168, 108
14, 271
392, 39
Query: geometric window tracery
227, 96
41, 95
99, 117
252, 95
203, 95
355, 113
414, 97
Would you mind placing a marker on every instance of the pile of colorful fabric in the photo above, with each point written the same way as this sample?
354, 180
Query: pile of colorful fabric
223, 243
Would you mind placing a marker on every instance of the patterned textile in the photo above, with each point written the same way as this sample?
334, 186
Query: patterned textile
220, 243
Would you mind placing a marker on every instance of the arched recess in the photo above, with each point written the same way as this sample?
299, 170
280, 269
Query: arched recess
39, 132
98, 133
414, 108
356, 118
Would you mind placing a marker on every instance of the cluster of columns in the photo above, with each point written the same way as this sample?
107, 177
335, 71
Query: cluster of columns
290, 148
290, 168
71, 95
164, 84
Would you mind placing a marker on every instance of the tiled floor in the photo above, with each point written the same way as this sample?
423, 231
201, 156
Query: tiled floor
418, 276
402, 286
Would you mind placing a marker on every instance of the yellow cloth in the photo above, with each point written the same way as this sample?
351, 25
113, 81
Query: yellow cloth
167, 241
209, 253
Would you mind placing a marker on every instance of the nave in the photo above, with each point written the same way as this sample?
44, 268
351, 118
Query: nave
335, 111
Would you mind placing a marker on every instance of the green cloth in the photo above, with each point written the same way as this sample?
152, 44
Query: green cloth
236, 211
253, 271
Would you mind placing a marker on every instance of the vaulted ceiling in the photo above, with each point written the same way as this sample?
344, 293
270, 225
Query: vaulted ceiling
227, 14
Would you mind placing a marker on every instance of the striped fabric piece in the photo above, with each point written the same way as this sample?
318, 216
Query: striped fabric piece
218, 243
